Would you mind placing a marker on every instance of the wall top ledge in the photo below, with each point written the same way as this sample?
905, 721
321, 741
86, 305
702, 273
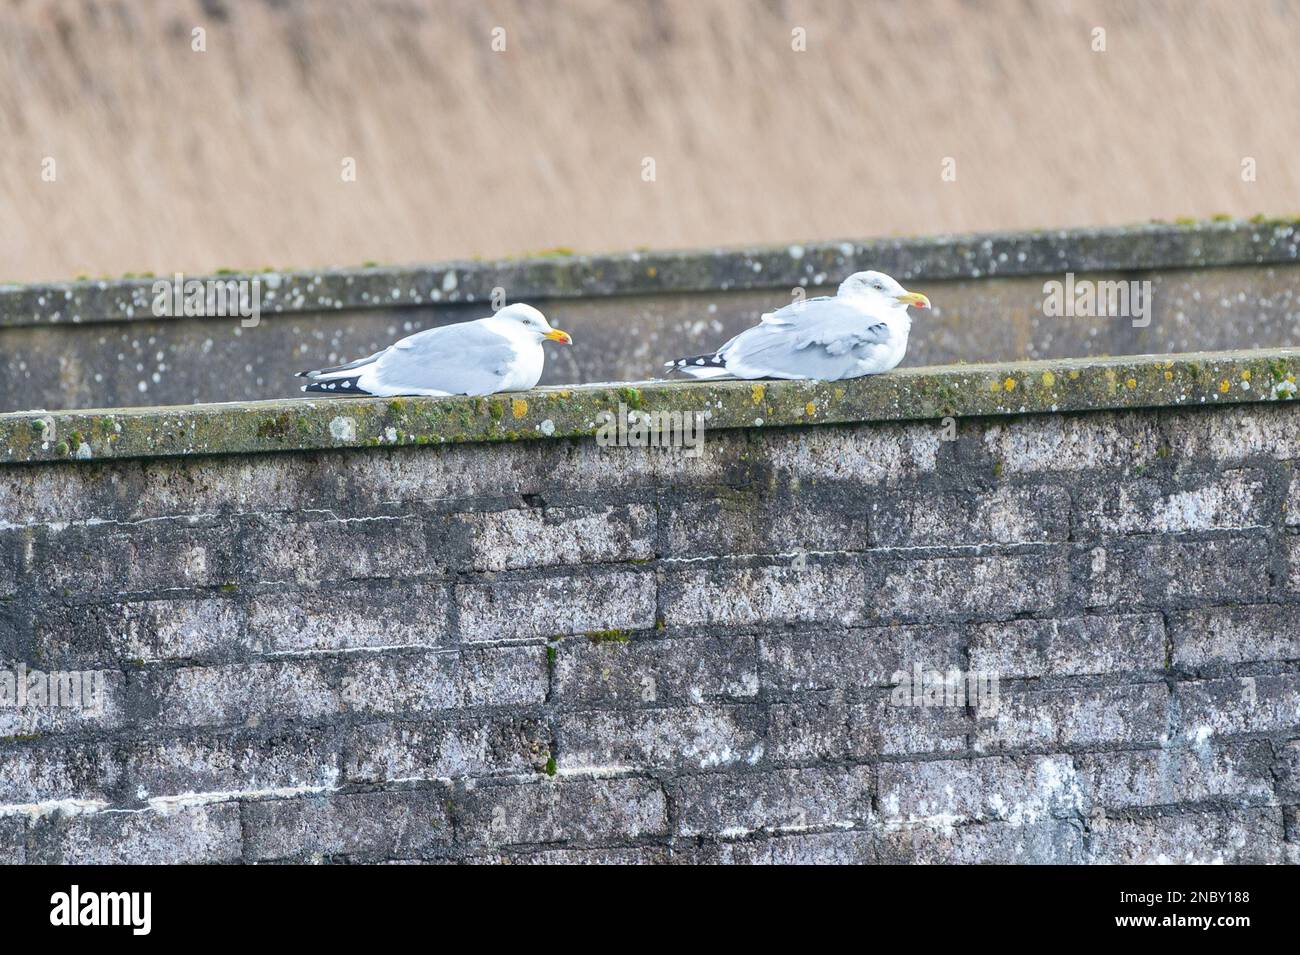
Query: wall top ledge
550, 276
1010, 388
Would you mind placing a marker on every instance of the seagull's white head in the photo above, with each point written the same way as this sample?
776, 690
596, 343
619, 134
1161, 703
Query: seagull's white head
531, 322
880, 287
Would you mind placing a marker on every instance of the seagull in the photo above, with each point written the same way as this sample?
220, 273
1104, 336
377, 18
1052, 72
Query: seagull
861, 330
502, 352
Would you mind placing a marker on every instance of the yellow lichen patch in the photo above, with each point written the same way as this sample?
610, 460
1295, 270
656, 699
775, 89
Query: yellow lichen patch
756, 393
839, 393
1074, 375
1169, 376
995, 386
518, 407
1009, 384
651, 272
1225, 385
1131, 383
1048, 379
810, 409
1245, 375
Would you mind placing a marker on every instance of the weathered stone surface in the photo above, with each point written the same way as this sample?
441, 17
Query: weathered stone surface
1002, 515
1166, 777
457, 749
1170, 573
427, 682
556, 606
1245, 705
1069, 647
380, 824
947, 793
115, 634
401, 614
821, 660
192, 834
1235, 499
1226, 635
829, 731
1248, 836
731, 805
729, 596
1072, 717
1043, 842
693, 737
242, 762
945, 588
628, 673
563, 811
544, 537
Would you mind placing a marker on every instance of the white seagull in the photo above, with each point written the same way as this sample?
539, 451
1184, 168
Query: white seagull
502, 352
861, 330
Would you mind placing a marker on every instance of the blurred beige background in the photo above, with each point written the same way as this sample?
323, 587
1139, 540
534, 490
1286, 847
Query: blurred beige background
166, 158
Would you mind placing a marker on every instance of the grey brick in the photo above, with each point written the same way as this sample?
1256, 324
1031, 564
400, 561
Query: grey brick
640, 855
736, 804
554, 606
1158, 574
1245, 836
1002, 515
1236, 433
1248, 705
944, 793
1045, 842
307, 552
746, 524
193, 834
1075, 716
831, 731
83, 636
59, 770
793, 662
383, 824
545, 537
100, 560
1068, 443
813, 593
1069, 647
403, 613
62, 701
13, 840
562, 810
963, 587
883, 454
388, 684
230, 762
462, 749
819, 848
1194, 502
615, 672
242, 694
698, 737
1293, 564
1165, 777
1227, 635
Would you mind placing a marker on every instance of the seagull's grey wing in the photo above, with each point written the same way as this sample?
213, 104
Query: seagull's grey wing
464, 359
819, 338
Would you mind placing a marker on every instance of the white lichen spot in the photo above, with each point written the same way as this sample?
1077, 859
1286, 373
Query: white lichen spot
547, 427
343, 429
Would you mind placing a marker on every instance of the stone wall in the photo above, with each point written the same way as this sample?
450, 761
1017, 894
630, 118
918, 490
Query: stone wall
553, 651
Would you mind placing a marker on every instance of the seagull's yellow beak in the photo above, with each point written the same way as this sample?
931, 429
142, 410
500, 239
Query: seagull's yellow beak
556, 335
915, 299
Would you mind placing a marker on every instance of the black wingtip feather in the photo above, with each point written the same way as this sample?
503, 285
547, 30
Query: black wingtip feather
336, 386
